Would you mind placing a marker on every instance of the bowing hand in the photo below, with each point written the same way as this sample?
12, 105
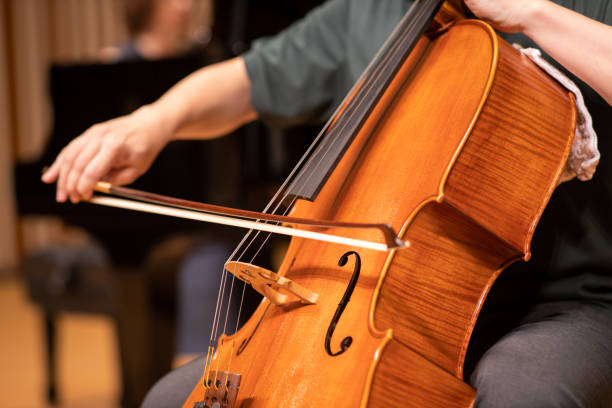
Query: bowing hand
117, 151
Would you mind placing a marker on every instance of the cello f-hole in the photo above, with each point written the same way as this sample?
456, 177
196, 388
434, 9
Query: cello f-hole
347, 341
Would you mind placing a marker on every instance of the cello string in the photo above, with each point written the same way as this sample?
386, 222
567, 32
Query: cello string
351, 112
391, 45
231, 354
353, 109
231, 290
233, 339
363, 89
337, 128
220, 296
388, 55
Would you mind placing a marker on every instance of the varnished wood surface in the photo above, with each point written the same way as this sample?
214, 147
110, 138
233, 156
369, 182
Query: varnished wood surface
510, 163
415, 383
430, 300
412, 312
495, 193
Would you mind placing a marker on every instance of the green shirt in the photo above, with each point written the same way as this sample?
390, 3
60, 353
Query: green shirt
302, 74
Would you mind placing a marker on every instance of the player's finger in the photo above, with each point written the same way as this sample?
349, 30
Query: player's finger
50, 175
80, 163
68, 156
121, 176
95, 170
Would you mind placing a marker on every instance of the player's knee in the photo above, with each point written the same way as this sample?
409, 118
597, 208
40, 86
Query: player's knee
513, 381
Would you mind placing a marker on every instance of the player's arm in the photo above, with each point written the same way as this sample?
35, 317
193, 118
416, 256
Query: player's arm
580, 44
215, 98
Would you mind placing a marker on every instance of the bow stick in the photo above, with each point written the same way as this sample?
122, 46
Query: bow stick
157, 204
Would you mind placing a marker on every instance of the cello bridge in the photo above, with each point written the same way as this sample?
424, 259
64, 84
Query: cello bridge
270, 284
221, 390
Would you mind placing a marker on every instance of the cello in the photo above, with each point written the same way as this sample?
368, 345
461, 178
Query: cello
456, 141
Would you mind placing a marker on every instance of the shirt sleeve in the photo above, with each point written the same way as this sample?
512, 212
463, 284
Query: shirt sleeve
600, 10
294, 74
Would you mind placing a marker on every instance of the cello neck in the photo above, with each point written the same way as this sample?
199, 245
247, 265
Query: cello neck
328, 148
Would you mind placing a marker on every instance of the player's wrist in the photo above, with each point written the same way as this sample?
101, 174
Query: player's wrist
160, 121
531, 14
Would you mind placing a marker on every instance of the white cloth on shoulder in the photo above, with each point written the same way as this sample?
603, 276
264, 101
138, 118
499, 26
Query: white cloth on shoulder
584, 155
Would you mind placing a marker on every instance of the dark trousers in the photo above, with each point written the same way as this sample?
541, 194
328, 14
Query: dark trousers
559, 355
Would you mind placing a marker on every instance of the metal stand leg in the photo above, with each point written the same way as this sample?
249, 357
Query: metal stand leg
50, 337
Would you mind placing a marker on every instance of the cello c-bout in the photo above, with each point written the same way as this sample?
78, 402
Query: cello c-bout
461, 153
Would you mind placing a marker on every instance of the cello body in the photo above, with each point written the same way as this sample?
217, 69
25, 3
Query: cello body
461, 155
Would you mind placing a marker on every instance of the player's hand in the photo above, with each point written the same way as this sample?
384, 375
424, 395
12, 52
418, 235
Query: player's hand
117, 151
504, 15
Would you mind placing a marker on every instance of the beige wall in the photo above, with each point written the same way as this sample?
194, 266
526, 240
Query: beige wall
34, 33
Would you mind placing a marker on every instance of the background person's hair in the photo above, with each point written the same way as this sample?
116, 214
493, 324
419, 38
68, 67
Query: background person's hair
138, 15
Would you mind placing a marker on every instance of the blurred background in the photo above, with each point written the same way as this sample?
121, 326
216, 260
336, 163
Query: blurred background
96, 304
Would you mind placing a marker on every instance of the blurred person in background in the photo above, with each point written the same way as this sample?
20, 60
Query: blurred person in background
157, 29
